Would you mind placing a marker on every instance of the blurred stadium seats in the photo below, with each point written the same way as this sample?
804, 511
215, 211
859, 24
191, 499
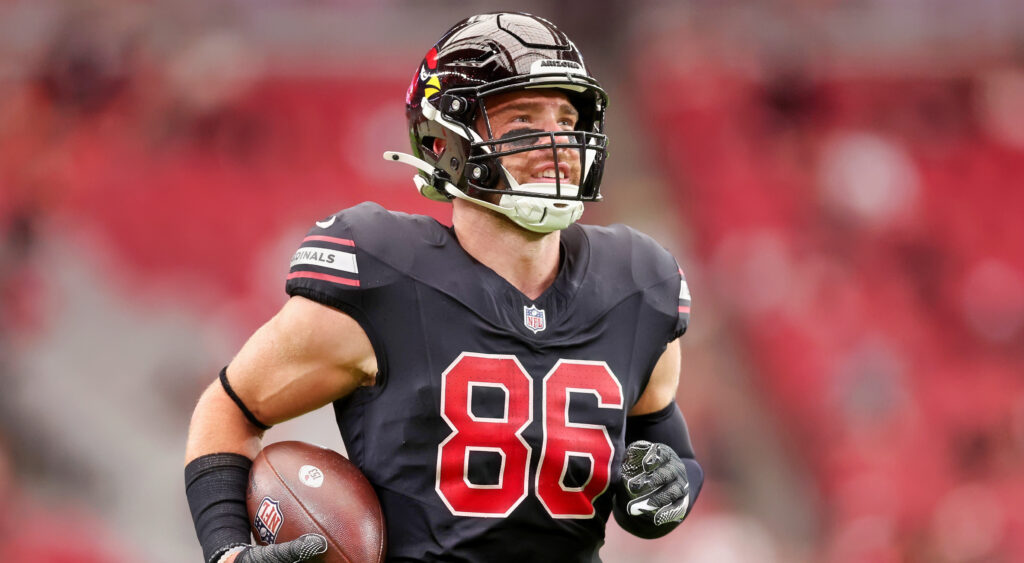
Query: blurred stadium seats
842, 182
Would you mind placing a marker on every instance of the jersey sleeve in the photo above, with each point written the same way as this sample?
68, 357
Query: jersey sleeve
666, 289
332, 265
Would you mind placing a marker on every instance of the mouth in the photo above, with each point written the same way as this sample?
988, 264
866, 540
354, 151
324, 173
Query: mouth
549, 173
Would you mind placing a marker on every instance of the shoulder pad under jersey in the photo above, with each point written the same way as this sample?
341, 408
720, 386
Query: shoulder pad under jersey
634, 259
359, 248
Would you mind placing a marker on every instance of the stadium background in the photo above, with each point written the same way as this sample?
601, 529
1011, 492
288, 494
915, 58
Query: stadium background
843, 182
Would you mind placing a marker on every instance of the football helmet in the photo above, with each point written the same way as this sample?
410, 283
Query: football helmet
493, 54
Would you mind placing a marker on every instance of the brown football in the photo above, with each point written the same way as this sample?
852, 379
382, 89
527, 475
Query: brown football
296, 488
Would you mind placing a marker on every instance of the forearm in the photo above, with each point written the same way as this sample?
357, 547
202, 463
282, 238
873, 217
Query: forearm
221, 444
218, 426
665, 426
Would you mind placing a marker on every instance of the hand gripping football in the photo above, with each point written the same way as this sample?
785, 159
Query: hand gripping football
297, 488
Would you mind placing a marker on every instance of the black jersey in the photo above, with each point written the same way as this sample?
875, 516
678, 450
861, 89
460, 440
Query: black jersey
496, 425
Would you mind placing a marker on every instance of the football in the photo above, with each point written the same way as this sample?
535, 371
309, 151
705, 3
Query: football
297, 488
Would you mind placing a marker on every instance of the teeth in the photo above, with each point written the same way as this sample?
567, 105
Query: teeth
551, 173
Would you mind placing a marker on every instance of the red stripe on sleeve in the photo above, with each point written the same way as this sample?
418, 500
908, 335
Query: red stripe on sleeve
323, 277
684, 309
335, 240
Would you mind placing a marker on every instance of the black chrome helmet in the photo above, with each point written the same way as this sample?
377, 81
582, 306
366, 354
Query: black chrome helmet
494, 54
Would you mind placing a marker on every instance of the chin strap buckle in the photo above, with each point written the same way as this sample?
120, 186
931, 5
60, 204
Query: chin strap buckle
440, 179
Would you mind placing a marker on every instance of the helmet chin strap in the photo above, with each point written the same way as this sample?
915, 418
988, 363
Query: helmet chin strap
536, 214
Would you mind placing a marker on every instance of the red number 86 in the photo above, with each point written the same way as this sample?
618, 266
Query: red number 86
562, 437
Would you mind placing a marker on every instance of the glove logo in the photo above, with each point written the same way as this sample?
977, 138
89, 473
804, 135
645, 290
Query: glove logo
641, 507
268, 520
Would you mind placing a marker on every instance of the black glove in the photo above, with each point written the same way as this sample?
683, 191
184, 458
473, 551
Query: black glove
655, 479
304, 547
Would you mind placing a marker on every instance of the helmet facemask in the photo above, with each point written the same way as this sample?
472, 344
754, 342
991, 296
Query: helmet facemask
539, 206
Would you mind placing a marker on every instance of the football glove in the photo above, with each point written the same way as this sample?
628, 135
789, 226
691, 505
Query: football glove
655, 479
304, 547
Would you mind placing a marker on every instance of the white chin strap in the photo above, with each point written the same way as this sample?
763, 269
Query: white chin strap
537, 214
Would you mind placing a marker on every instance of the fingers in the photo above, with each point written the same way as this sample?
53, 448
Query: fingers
309, 546
643, 456
657, 456
667, 503
650, 481
301, 549
632, 462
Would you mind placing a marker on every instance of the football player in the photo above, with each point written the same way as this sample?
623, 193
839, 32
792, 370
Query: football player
505, 383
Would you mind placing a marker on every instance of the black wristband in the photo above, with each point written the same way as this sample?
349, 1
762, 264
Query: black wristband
238, 401
215, 485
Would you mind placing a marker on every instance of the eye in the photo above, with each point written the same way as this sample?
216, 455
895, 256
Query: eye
521, 119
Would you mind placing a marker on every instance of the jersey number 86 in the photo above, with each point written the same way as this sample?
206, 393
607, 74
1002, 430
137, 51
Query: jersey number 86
503, 435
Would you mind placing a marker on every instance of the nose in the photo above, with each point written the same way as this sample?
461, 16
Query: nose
552, 123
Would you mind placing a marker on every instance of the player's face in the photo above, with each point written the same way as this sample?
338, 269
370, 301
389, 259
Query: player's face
516, 113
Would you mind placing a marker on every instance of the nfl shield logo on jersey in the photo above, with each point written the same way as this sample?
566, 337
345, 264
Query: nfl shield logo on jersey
533, 318
268, 520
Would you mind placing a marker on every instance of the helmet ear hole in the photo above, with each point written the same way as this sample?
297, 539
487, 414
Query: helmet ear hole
433, 146
438, 145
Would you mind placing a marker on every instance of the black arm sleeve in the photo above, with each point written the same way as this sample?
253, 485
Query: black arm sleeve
668, 427
215, 485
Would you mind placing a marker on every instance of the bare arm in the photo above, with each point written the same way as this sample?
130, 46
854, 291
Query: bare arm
661, 388
303, 358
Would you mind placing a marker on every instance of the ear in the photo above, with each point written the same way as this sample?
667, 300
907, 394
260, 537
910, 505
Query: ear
439, 145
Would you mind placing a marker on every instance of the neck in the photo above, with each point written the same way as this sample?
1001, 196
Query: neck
527, 260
